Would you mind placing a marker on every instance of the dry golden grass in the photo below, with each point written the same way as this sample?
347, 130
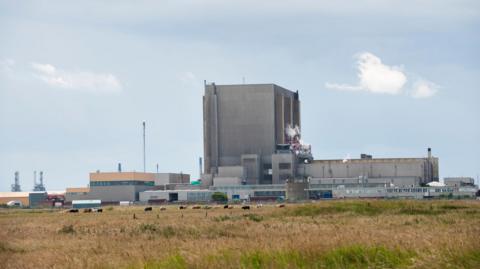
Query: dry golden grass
327, 234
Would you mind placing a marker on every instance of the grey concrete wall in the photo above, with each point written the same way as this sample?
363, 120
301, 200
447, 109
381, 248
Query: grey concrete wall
374, 168
396, 181
168, 178
226, 181
252, 164
245, 119
279, 175
111, 193
231, 171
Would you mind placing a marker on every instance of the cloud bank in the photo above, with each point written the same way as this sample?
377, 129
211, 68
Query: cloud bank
376, 77
79, 80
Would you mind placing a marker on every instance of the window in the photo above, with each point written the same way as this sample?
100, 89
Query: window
284, 166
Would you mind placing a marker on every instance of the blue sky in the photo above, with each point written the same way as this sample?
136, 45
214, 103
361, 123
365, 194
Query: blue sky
388, 78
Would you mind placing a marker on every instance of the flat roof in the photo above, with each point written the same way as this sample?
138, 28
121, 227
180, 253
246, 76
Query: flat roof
122, 176
79, 189
81, 202
11, 194
373, 160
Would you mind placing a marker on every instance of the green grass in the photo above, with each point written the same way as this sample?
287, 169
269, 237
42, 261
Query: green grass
373, 208
354, 256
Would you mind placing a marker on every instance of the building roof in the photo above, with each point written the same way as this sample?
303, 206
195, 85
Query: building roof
82, 202
122, 176
374, 160
14, 194
81, 189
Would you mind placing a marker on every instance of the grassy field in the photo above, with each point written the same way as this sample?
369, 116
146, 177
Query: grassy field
327, 234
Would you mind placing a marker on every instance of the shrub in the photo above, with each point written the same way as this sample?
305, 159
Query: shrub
219, 197
254, 217
67, 229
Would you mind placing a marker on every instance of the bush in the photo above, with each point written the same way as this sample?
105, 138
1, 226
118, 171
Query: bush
67, 229
219, 197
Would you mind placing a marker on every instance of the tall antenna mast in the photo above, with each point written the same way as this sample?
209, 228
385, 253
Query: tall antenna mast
144, 163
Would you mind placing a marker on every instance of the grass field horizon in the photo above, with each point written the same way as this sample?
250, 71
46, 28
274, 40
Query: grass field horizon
325, 234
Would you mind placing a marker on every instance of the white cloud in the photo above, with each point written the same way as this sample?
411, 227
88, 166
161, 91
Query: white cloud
424, 89
374, 76
6, 66
80, 80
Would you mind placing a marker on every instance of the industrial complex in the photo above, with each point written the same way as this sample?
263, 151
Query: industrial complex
253, 151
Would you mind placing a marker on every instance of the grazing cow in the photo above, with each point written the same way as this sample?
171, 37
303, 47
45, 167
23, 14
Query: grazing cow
246, 207
259, 205
225, 207
148, 208
281, 206
87, 210
163, 208
182, 207
196, 207
230, 207
99, 210
73, 210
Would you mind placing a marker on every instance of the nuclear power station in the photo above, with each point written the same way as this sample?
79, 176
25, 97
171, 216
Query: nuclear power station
253, 151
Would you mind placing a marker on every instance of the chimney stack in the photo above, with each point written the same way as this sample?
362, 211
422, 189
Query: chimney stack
429, 153
119, 167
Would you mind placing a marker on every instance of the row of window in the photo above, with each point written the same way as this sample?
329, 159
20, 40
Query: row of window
420, 190
269, 193
122, 183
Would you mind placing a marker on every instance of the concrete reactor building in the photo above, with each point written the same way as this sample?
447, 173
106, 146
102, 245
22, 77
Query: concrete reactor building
243, 125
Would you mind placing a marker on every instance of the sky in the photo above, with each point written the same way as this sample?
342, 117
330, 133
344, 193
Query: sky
387, 78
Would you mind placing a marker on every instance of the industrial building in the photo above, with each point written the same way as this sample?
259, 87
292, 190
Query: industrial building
253, 149
243, 124
112, 187
252, 135
371, 172
459, 181
27, 199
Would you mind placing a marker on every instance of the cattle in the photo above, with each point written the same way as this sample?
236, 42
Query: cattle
281, 206
225, 207
246, 207
182, 207
99, 210
149, 208
259, 205
163, 208
196, 207
230, 207
87, 210
73, 210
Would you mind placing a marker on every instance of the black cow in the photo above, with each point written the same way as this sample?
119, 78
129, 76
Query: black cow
148, 208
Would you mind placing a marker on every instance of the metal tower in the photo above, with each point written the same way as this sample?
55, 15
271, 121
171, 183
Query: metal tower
16, 186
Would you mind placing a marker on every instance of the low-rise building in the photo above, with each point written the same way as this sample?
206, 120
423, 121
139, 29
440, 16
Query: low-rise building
112, 187
459, 181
